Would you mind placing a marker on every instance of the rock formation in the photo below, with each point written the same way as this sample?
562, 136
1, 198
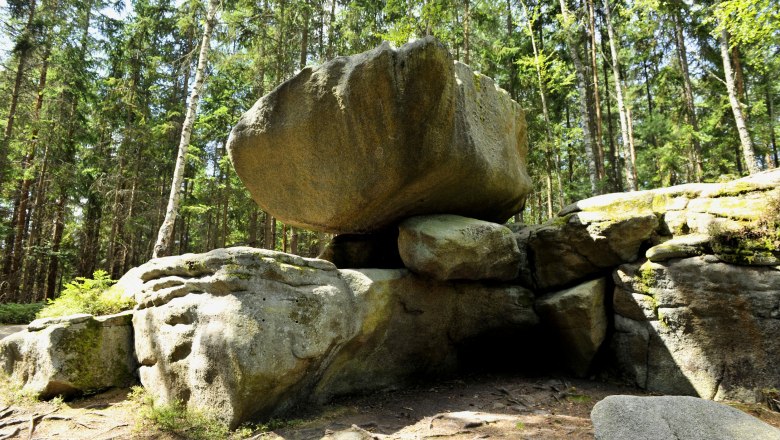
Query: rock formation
362, 142
676, 289
451, 247
71, 355
213, 329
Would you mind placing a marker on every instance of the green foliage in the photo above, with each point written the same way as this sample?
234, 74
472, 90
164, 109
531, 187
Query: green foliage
11, 393
177, 419
15, 313
88, 295
756, 242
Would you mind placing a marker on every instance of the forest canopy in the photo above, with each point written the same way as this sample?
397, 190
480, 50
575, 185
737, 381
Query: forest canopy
620, 95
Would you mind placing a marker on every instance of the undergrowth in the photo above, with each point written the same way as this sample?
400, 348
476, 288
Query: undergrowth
16, 313
88, 295
177, 419
752, 243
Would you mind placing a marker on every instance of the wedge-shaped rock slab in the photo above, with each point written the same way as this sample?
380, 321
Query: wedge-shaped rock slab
361, 142
71, 355
578, 318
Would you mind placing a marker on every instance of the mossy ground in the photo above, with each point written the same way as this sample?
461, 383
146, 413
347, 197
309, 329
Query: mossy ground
755, 242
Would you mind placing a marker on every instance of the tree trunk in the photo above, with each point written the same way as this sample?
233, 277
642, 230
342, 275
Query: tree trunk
630, 165
226, 209
596, 98
466, 32
304, 36
252, 232
331, 34
166, 229
24, 56
293, 241
736, 107
614, 160
510, 26
545, 113
582, 86
22, 219
682, 57
771, 113
56, 240
739, 78
269, 236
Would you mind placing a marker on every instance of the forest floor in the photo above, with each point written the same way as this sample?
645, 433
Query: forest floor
470, 407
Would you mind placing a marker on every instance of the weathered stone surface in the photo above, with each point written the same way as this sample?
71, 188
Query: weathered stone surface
579, 319
245, 332
449, 247
71, 355
567, 249
597, 234
412, 325
683, 246
361, 142
674, 417
357, 251
698, 326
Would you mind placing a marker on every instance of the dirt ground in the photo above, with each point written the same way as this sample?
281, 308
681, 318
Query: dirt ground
470, 407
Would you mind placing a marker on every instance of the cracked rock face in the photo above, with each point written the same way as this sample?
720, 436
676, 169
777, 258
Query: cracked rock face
237, 330
698, 326
71, 355
246, 333
451, 247
361, 142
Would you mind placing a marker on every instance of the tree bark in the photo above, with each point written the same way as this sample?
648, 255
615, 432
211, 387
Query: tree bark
736, 108
331, 28
304, 36
771, 113
599, 146
22, 219
682, 57
293, 241
548, 155
166, 229
24, 56
466, 32
630, 165
579, 69
56, 240
252, 232
269, 236
510, 26
613, 154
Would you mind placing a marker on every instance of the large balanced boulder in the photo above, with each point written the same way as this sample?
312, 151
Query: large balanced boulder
246, 333
361, 142
674, 417
71, 355
451, 247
